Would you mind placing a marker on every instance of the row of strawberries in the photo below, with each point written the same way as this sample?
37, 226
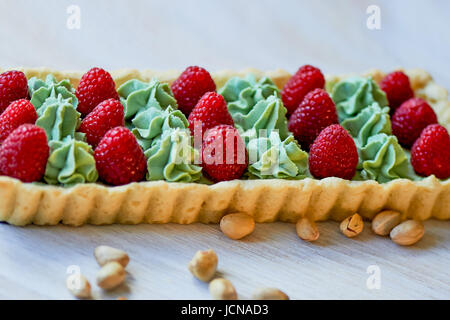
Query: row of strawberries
414, 123
119, 159
24, 147
313, 121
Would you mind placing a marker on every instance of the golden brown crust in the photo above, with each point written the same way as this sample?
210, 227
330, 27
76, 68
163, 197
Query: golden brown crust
265, 200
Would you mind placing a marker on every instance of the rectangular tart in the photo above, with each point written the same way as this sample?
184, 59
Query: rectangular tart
266, 200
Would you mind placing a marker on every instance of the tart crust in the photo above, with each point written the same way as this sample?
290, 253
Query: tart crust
266, 200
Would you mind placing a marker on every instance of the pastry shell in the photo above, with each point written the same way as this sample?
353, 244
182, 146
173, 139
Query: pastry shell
266, 200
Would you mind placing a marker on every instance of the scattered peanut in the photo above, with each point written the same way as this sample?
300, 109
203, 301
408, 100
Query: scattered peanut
203, 265
237, 225
269, 294
408, 232
222, 289
105, 254
79, 286
110, 275
352, 226
385, 221
307, 229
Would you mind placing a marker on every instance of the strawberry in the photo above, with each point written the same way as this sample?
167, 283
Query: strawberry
24, 154
210, 111
316, 112
307, 78
13, 86
410, 119
397, 88
95, 86
18, 112
190, 86
119, 158
107, 115
224, 154
430, 154
333, 154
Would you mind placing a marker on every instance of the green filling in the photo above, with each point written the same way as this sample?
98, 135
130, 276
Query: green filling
171, 158
137, 96
270, 157
352, 95
58, 117
255, 105
40, 90
363, 112
152, 122
70, 162
161, 130
383, 159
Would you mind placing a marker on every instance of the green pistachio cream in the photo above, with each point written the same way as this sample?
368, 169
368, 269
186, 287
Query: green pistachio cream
172, 157
70, 162
58, 117
255, 105
149, 124
363, 112
161, 130
354, 94
40, 90
270, 157
370, 121
383, 159
137, 96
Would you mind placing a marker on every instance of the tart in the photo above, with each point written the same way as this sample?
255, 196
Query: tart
267, 200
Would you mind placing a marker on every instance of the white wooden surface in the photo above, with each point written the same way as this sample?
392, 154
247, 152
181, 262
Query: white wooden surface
228, 34
34, 261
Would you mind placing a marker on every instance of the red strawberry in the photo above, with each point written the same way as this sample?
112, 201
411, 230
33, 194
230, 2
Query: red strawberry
24, 154
13, 86
333, 154
316, 112
224, 154
107, 115
19, 112
410, 119
210, 111
95, 86
397, 88
190, 86
307, 78
119, 158
430, 154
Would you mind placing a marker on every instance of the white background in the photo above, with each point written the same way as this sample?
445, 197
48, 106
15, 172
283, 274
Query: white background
265, 34
227, 34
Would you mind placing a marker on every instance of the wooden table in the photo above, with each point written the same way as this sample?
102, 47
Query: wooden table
34, 261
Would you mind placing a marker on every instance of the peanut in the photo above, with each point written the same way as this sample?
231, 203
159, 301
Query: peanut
307, 229
105, 254
222, 289
237, 225
111, 275
269, 294
407, 232
385, 221
79, 286
203, 265
352, 226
